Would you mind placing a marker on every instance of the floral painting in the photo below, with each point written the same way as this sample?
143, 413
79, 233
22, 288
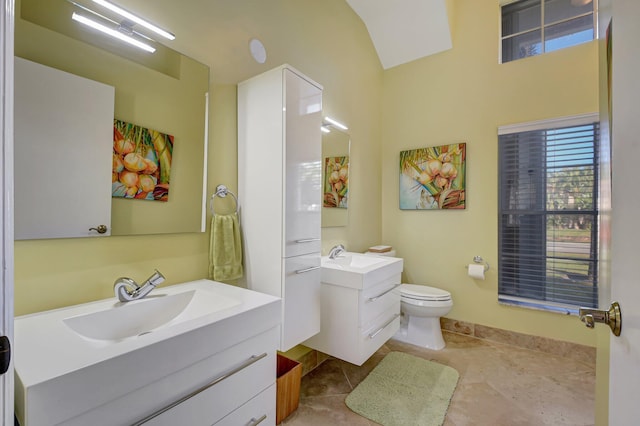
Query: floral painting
141, 162
336, 182
433, 178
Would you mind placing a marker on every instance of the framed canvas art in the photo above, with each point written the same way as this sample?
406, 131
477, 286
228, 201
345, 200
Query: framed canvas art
433, 178
336, 182
141, 162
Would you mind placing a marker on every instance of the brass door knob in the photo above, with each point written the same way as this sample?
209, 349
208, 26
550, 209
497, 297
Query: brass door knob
611, 317
101, 229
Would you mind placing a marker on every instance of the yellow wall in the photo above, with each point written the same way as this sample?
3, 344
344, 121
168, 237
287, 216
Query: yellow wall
332, 46
463, 95
459, 95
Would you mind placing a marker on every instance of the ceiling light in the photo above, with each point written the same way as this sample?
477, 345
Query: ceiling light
130, 16
336, 123
112, 32
325, 129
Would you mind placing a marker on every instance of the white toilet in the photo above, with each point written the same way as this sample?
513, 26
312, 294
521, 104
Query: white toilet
421, 307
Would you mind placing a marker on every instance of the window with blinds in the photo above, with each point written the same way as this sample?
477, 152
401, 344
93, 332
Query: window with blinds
548, 215
533, 27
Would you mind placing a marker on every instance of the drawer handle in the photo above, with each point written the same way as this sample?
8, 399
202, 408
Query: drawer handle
306, 240
378, 331
373, 299
302, 271
245, 364
254, 421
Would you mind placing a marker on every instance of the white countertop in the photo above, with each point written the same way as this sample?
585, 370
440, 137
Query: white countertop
46, 348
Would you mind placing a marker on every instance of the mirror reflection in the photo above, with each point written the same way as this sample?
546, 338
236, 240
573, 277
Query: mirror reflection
164, 91
335, 177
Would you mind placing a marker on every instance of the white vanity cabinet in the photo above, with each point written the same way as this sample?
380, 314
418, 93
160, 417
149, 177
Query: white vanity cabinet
206, 366
360, 308
279, 189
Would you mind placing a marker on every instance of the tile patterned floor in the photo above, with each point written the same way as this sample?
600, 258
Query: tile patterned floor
499, 385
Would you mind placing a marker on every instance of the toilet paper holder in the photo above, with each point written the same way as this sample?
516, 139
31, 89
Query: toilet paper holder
479, 259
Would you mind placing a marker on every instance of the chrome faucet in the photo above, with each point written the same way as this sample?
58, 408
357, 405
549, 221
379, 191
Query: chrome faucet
336, 251
127, 289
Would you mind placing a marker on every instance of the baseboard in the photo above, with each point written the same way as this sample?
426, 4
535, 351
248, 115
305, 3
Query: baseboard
573, 351
311, 358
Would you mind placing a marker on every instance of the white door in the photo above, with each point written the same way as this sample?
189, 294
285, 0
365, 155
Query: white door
53, 108
6, 200
624, 375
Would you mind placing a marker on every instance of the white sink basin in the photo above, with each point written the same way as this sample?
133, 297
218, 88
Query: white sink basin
123, 320
77, 359
360, 271
354, 263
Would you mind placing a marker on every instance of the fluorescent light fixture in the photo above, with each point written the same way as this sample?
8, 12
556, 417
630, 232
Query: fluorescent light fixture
336, 123
113, 33
325, 129
130, 16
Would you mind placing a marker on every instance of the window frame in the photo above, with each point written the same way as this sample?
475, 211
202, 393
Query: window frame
546, 125
542, 28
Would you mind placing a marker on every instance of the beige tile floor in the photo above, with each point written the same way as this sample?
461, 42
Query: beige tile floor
499, 385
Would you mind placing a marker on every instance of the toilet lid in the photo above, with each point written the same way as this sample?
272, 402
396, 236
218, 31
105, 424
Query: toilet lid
423, 292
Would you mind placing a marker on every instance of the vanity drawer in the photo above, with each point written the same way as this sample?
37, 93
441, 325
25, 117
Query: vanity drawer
381, 330
240, 380
378, 299
300, 299
261, 410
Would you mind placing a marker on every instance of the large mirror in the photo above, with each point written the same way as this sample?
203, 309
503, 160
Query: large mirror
164, 91
335, 177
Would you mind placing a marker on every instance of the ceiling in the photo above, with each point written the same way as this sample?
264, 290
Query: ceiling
405, 30
208, 30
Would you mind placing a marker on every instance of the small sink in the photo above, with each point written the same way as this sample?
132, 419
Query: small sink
124, 320
358, 270
357, 262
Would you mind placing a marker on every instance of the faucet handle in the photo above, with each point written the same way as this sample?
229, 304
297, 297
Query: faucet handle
156, 278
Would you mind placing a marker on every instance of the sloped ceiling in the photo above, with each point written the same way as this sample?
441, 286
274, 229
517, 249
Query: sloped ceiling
405, 30
216, 32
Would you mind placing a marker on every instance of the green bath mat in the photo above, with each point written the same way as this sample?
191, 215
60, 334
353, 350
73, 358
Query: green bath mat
405, 390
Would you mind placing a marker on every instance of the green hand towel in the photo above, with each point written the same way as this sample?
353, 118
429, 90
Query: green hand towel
225, 248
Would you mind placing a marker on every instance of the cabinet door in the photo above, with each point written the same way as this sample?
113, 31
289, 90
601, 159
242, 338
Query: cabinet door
54, 108
301, 299
303, 186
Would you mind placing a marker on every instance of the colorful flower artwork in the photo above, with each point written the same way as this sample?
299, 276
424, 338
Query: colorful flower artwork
141, 162
433, 178
336, 182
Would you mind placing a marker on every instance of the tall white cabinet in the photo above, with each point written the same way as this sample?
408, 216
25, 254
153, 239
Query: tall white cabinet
279, 190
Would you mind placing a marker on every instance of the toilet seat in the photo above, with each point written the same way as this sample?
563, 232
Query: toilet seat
424, 293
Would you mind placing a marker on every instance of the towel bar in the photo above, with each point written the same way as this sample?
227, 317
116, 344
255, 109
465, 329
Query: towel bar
222, 191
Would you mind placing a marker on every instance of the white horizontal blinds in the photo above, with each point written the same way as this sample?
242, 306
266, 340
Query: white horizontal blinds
532, 27
548, 216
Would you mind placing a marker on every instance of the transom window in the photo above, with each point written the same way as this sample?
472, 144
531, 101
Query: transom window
533, 27
548, 214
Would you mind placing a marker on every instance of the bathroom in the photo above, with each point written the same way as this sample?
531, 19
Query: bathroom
434, 100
